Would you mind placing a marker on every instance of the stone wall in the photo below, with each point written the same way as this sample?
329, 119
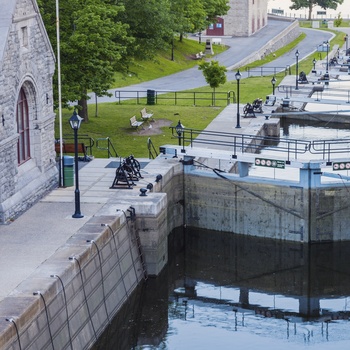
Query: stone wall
82, 286
245, 18
27, 62
285, 37
70, 300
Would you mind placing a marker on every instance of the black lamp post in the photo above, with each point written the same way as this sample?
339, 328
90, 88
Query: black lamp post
327, 48
296, 70
346, 38
179, 130
75, 122
326, 76
273, 82
238, 78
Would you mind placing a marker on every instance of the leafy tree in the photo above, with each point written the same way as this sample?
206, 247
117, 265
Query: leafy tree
310, 4
338, 21
213, 73
149, 23
215, 8
191, 16
93, 45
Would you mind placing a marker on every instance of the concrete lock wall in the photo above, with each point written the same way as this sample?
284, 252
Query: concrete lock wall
84, 284
78, 290
270, 209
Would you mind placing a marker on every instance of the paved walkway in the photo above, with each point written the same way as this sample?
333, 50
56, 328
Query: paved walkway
33, 237
239, 48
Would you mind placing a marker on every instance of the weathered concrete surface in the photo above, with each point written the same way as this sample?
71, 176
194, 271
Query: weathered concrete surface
266, 208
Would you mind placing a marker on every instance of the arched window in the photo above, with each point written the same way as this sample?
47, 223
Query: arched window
23, 128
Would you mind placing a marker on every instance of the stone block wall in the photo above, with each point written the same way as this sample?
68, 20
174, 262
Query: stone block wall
27, 63
245, 17
70, 300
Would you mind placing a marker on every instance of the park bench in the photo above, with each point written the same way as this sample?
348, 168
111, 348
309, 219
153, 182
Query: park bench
134, 123
199, 55
69, 148
146, 116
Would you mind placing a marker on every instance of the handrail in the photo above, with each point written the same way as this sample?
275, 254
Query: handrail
328, 147
240, 143
176, 96
108, 148
151, 149
263, 70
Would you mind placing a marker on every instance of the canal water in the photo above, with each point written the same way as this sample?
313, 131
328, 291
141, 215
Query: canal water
227, 291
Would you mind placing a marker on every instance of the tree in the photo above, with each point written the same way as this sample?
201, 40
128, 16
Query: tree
310, 4
215, 8
213, 73
191, 16
92, 45
149, 23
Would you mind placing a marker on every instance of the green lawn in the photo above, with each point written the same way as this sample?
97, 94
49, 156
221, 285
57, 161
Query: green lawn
113, 119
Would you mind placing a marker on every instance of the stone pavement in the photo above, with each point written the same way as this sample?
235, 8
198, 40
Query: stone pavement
33, 237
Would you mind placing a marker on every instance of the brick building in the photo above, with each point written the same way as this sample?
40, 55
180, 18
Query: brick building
27, 156
244, 18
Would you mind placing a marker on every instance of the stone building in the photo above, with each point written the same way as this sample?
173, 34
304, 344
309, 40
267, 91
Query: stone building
244, 18
27, 156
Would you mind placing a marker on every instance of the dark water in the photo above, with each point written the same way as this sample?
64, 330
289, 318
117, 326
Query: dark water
226, 291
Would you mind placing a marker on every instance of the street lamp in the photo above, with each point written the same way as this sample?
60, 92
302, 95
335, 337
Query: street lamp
273, 82
75, 122
179, 130
346, 42
238, 78
314, 63
296, 69
326, 76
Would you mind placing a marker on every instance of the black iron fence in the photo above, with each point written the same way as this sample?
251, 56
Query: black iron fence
152, 97
264, 71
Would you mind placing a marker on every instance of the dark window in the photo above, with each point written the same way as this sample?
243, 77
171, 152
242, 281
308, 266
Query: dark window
23, 147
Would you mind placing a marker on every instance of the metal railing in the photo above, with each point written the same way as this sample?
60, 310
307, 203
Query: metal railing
109, 147
240, 144
328, 147
141, 97
264, 71
152, 152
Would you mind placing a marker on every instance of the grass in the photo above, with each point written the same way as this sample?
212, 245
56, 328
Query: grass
113, 122
113, 119
162, 65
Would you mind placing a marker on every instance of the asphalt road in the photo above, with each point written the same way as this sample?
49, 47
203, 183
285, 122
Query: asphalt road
239, 48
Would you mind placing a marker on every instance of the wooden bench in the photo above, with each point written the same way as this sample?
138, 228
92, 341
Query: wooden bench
147, 116
70, 148
134, 123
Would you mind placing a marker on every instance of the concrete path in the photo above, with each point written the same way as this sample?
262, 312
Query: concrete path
239, 48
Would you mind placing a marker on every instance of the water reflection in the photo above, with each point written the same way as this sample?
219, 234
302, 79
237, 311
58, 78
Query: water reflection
311, 130
224, 289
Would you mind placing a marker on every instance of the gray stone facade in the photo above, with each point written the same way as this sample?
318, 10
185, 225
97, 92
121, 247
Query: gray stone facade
245, 17
26, 65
